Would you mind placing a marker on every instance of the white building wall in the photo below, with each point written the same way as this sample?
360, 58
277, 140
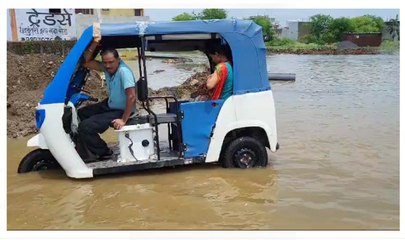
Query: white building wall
40, 24
85, 20
291, 31
9, 34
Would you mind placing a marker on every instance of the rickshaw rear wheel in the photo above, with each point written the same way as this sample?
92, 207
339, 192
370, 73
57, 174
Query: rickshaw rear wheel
37, 160
245, 152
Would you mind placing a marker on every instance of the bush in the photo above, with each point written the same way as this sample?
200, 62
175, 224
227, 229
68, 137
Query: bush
389, 46
267, 27
184, 17
281, 42
291, 45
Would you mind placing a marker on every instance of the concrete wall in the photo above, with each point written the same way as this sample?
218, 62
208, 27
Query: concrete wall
83, 21
295, 30
364, 39
291, 31
303, 29
28, 31
40, 24
119, 12
9, 37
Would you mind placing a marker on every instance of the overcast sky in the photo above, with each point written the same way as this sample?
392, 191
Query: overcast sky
281, 15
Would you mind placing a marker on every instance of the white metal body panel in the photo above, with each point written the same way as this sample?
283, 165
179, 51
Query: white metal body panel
37, 141
74, 126
241, 111
60, 144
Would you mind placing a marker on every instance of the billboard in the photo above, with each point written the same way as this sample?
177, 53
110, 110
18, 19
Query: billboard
45, 24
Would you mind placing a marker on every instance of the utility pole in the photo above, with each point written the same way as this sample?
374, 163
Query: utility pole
98, 14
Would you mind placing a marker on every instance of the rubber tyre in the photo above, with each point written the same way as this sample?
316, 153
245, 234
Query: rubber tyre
37, 160
245, 152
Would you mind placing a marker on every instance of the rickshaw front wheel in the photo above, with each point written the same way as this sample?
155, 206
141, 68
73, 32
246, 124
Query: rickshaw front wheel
245, 152
37, 160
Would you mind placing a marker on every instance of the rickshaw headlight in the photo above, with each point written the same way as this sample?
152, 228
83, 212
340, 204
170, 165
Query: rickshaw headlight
39, 117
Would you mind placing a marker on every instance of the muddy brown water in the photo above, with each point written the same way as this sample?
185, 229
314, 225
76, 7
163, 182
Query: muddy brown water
337, 168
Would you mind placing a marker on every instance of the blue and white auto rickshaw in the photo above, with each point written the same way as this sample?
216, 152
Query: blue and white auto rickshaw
234, 132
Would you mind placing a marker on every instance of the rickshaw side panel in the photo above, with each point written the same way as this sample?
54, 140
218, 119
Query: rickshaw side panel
197, 125
37, 141
244, 111
60, 144
57, 141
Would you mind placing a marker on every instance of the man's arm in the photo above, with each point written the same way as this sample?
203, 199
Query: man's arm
89, 61
131, 99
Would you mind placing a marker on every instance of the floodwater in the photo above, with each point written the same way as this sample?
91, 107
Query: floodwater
162, 74
337, 167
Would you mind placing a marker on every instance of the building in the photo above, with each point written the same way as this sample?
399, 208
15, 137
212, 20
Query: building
62, 24
86, 17
364, 39
41, 24
391, 30
122, 12
296, 30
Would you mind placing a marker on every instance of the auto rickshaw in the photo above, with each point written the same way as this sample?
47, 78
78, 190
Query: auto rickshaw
234, 132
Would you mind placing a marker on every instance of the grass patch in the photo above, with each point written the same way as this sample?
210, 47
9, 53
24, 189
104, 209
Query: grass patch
389, 47
288, 44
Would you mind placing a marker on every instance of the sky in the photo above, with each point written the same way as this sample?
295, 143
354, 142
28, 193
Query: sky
281, 15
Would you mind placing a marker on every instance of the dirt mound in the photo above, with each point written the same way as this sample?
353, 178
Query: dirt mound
331, 51
28, 75
346, 45
193, 86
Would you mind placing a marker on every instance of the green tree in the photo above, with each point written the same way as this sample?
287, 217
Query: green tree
212, 13
378, 21
339, 26
393, 28
184, 17
267, 27
368, 23
319, 28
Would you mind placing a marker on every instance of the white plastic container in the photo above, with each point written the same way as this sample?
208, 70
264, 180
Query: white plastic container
141, 138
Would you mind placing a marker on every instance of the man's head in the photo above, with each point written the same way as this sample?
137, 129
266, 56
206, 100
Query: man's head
110, 59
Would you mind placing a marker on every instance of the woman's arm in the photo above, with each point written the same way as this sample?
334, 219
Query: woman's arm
213, 80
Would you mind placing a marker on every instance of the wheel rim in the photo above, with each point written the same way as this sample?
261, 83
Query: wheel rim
245, 158
41, 165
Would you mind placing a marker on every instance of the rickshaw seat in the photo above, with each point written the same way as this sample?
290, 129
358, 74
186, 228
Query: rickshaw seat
142, 93
161, 118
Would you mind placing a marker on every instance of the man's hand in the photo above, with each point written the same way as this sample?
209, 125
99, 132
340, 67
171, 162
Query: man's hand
96, 32
97, 39
118, 123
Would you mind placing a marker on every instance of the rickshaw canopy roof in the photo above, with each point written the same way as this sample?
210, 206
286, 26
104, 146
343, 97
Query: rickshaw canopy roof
244, 38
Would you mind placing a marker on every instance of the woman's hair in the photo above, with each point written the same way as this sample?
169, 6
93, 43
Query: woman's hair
220, 49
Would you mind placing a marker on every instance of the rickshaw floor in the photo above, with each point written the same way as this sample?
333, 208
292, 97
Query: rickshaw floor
110, 163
